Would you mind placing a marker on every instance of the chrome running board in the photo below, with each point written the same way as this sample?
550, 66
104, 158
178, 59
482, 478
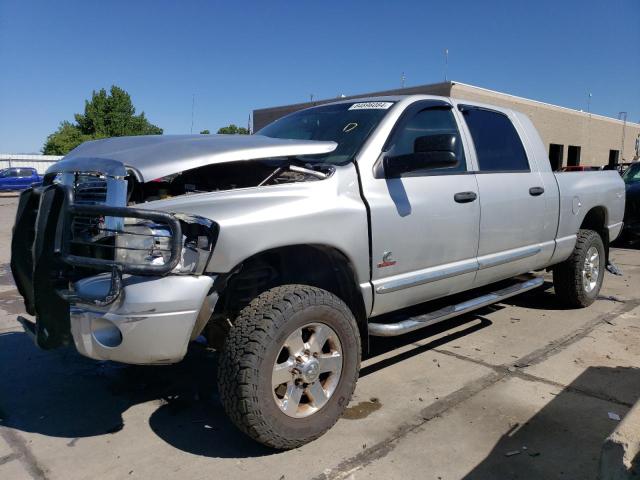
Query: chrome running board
414, 323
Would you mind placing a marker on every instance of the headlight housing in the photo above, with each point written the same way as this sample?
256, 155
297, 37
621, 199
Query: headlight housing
144, 242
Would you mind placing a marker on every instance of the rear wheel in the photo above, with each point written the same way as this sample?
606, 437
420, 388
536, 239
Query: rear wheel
577, 280
289, 365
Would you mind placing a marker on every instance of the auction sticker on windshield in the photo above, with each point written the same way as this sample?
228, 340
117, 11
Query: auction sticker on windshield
371, 106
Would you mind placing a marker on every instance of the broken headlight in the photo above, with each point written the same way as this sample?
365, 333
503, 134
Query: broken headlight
144, 242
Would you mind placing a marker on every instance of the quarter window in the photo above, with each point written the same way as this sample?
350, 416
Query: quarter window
498, 146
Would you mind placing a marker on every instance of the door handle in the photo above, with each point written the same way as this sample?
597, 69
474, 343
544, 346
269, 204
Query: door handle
535, 191
465, 197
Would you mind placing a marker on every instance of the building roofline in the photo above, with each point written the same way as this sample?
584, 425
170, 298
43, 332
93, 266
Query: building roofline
547, 104
450, 83
382, 93
26, 156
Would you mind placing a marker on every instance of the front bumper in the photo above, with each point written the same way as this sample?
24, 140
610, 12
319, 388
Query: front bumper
130, 313
151, 322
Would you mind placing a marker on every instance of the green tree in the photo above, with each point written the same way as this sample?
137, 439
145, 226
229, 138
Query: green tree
234, 130
205, 132
105, 115
65, 139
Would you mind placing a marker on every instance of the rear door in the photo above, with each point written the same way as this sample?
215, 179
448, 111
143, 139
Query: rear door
31, 178
512, 198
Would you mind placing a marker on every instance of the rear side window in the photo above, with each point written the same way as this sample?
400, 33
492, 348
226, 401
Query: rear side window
498, 146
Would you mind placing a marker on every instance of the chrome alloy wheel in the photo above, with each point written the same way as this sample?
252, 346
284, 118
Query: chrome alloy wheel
591, 269
307, 370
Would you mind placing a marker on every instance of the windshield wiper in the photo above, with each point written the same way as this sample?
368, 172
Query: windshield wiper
308, 171
294, 168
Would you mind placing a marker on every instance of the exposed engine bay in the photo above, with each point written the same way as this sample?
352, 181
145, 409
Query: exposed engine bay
225, 176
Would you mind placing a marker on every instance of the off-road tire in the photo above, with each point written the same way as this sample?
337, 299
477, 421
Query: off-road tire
246, 363
567, 276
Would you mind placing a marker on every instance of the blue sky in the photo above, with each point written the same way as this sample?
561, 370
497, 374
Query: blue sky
236, 56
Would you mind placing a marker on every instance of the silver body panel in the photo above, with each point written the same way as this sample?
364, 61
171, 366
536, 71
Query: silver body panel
151, 323
423, 244
329, 213
156, 156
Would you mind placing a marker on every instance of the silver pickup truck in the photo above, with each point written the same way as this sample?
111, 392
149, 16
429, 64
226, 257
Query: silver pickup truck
286, 249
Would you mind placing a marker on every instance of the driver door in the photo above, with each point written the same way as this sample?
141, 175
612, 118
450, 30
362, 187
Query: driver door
424, 224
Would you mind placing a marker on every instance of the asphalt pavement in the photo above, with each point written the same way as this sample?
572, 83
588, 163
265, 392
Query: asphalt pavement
523, 389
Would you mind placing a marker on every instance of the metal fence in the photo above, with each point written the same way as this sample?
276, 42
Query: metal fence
39, 162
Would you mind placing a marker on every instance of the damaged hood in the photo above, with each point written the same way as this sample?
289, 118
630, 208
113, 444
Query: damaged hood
156, 156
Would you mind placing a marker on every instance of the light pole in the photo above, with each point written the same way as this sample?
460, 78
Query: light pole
622, 116
446, 63
193, 104
589, 126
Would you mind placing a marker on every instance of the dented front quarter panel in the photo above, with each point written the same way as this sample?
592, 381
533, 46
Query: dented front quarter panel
327, 212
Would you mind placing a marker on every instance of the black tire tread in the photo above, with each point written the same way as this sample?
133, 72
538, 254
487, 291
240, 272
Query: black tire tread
254, 327
567, 276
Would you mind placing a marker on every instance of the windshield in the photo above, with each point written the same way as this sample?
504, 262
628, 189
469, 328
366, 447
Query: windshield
347, 124
632, 174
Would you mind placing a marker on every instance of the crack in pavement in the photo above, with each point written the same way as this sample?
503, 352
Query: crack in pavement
543, 353
23, 453
8, 458
516, 372
436, 409
498, 372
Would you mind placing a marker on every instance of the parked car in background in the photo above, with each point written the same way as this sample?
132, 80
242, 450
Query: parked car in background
631, 179
18, 178
624, 166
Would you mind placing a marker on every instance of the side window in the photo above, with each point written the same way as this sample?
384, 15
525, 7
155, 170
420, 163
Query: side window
15, 172
427, 123
497, 143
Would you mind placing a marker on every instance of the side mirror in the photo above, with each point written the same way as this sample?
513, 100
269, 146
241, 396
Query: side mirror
429, 152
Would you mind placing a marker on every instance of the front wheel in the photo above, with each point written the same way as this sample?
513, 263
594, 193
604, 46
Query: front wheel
577, 280
289, 365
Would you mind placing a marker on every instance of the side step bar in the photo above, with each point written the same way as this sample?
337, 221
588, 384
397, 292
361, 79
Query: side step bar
450, 311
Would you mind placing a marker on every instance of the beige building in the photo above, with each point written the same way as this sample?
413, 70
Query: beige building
572, 137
